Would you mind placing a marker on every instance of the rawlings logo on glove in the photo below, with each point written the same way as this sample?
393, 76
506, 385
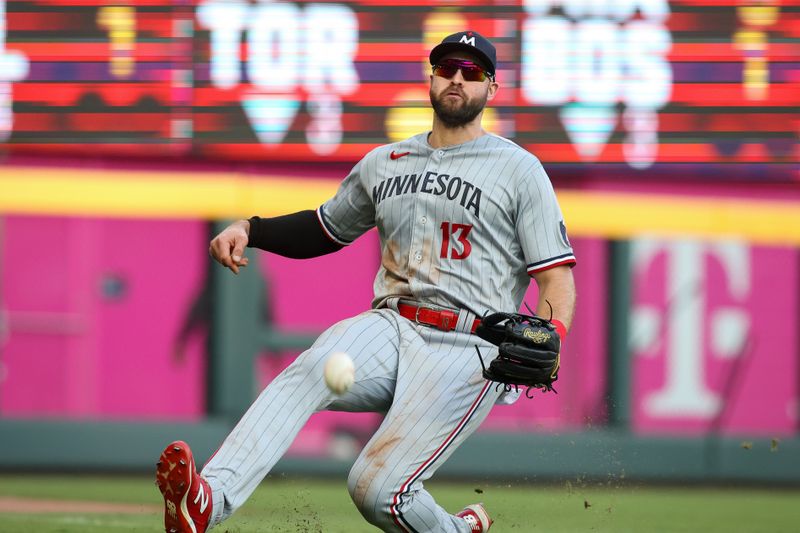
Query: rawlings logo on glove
529, 350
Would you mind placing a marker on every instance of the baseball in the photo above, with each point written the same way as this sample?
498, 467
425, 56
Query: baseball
339, 372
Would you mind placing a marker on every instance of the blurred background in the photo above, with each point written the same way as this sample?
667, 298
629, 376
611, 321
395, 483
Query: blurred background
133, 130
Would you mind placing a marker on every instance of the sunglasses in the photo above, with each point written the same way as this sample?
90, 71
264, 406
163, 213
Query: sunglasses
469, 71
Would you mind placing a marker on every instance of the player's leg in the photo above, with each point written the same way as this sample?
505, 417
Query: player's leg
440, 399
272, 422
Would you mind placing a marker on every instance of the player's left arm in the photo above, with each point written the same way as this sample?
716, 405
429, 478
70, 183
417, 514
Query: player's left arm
556, 290
545, 246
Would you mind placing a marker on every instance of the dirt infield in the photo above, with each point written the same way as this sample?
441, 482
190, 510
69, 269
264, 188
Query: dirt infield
33, 506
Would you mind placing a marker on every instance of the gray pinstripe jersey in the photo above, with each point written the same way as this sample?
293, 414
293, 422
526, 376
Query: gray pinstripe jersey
460, 227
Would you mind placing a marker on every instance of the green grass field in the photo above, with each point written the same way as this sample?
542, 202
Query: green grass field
300, 505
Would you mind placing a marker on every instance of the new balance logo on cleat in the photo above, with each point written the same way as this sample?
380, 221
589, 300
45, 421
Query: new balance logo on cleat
187, 496
202, 498
171, 510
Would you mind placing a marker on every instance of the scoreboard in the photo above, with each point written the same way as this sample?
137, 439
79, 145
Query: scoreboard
634, 87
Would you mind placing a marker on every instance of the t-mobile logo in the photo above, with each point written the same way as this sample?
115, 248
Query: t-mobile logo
686, 323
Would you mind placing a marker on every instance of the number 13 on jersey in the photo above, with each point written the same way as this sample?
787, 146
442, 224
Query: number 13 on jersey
455, 243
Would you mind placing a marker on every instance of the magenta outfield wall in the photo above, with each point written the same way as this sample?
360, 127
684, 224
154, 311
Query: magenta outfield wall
91, 311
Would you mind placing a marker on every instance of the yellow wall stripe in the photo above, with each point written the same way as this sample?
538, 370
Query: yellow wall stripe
145, 194
620, 215
141, 194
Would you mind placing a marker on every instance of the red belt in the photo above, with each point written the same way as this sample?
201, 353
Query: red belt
442, 319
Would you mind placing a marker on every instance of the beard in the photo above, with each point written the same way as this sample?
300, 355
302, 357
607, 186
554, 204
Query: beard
459, 113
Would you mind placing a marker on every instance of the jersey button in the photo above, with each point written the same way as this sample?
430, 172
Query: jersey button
423, 220
441, 152
418, 257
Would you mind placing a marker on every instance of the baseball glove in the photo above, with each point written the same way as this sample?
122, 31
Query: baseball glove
529, 351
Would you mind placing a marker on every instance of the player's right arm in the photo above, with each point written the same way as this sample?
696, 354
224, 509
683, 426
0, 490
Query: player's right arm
298, 235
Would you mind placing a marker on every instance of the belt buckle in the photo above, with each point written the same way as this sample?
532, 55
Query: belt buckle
420, 308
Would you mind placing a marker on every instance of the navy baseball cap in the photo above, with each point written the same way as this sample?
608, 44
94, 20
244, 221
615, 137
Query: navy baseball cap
467, 41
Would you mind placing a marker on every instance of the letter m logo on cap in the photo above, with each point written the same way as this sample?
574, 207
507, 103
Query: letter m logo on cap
468, 40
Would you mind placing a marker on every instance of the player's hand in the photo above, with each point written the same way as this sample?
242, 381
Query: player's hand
228, 247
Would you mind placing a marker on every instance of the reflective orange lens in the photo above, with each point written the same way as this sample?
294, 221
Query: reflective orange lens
469, 70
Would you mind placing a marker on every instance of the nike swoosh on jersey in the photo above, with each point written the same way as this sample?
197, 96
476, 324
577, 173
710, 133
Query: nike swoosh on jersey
394, 155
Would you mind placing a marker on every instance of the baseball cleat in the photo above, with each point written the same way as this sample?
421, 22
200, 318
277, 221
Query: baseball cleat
187, 496
476, 517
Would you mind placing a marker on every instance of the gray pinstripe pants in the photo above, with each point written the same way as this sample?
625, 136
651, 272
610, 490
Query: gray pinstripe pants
428, 382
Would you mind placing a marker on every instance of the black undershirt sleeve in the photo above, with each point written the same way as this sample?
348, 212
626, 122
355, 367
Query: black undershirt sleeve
299, 235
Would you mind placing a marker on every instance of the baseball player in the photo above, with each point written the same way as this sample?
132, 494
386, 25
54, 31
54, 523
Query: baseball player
465, 219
